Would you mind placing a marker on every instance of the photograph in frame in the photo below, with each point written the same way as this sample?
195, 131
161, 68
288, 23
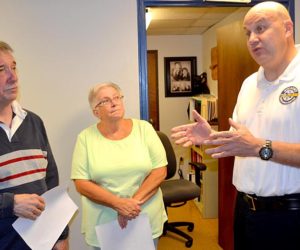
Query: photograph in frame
179, 73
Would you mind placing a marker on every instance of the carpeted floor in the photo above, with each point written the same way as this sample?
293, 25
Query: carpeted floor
205, 233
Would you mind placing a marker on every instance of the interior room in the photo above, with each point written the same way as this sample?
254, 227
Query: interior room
179, 38
64, 47
184, 32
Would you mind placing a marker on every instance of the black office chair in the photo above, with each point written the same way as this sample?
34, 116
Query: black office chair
177, 192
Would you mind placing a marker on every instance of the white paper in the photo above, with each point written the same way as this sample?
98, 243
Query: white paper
42, 233
136, 236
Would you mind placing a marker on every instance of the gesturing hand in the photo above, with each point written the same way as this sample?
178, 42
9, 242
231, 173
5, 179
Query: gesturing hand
239, 142
192, 134
28, 205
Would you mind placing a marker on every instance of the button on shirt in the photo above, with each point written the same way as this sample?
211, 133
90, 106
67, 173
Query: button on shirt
270, 110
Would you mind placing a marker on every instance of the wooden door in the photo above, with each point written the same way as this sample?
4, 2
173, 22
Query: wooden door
234, 65
153, 88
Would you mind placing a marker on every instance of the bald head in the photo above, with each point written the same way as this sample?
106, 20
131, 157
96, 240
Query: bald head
271, 9
271, 12
270, 37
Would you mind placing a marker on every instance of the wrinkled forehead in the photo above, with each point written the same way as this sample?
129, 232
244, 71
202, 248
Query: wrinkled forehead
7, 57
269, 10
259, 16
107, 91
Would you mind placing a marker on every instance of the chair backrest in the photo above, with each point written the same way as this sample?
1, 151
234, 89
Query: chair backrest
172, 164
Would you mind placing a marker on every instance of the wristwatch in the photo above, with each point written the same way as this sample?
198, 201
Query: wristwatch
266, 152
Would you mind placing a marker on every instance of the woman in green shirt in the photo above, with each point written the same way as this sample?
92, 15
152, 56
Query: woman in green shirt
118, 166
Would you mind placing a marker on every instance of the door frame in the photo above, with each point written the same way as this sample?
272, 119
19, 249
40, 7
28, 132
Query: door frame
142, 35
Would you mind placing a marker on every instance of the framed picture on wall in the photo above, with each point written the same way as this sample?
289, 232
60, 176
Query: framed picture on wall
179, 72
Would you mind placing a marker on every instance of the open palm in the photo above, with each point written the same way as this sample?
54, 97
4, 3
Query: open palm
192, 134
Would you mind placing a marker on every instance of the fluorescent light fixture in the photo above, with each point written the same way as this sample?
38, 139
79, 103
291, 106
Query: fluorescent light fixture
229, 1
148, 17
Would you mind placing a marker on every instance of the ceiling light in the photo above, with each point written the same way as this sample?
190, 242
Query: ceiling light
148, 17
229, 1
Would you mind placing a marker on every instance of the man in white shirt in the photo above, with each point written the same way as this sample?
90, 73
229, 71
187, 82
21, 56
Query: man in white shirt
264, 136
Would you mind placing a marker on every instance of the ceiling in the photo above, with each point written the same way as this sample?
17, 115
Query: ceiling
185, 20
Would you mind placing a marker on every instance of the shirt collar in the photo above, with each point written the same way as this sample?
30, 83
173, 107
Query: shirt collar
18, 110
288, 75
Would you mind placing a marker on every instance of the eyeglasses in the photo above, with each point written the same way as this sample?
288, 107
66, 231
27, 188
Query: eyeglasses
107, 101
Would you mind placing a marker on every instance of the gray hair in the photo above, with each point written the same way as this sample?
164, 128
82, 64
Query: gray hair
95, 90
5, 47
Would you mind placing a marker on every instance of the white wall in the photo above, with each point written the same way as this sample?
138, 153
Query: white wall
173, 110
173, 46
62, 48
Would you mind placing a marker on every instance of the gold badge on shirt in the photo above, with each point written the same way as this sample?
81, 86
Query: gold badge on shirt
288, 95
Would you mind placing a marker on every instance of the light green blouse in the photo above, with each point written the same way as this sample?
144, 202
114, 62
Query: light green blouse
119, 166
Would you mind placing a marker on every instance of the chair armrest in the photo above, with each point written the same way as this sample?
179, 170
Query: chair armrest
198, 165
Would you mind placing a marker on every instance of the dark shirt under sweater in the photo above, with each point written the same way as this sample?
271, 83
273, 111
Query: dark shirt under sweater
26, 166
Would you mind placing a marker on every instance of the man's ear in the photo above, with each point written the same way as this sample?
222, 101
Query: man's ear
289, 28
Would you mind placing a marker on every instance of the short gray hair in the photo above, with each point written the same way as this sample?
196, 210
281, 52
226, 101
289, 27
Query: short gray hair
5, 47
95, 90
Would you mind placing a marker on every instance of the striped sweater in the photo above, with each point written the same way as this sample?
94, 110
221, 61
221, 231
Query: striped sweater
26, 166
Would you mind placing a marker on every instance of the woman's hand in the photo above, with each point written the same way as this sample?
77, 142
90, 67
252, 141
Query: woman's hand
122, 221
128, 207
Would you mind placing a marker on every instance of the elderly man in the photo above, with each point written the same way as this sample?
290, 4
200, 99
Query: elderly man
27, 166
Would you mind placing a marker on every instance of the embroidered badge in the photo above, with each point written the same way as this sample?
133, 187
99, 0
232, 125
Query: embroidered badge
288, 95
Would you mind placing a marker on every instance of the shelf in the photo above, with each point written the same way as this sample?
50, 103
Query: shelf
207, 106
208, 204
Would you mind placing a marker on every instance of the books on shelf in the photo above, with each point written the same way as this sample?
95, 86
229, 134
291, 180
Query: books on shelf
206, 105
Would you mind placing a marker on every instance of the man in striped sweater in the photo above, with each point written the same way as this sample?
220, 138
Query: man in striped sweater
27, 166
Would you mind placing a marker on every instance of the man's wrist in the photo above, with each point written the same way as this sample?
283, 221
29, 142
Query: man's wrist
257, 146
266, 151
7, 205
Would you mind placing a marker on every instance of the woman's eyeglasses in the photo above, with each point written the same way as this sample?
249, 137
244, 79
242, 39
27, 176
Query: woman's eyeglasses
107, 101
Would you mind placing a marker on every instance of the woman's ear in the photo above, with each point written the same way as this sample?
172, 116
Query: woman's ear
96, 112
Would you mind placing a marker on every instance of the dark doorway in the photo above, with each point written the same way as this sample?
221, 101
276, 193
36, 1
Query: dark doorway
152, 63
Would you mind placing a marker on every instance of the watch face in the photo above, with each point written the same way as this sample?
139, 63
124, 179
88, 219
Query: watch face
265, 153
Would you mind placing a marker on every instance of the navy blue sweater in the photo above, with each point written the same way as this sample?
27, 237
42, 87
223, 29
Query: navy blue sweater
26, 166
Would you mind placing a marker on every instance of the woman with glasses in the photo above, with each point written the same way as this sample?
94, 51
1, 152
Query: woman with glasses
118, 166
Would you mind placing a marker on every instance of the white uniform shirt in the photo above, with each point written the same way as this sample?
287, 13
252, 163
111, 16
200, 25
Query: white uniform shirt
270, 110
